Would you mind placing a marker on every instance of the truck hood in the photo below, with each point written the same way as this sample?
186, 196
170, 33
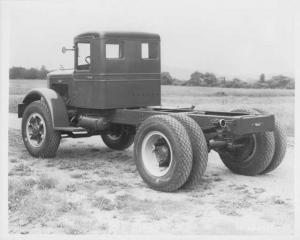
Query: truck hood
58, 73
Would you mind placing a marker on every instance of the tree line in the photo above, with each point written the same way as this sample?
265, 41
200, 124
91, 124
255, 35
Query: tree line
196, 79
210, 80
28, 73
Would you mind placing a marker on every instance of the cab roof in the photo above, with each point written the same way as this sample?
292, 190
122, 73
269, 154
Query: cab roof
127, 35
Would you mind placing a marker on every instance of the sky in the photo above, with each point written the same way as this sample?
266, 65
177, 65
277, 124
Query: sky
232, 38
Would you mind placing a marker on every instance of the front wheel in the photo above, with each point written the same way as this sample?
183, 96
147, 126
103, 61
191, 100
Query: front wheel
39, 137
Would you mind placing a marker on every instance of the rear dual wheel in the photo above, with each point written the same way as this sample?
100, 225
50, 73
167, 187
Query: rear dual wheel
258, 153
165, 152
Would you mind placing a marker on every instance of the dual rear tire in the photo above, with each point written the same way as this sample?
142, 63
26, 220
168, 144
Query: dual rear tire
170, 152
262, 152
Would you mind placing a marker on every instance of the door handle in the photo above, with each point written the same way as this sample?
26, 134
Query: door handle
90, 77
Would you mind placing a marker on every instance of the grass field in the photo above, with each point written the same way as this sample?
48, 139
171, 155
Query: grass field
277, 101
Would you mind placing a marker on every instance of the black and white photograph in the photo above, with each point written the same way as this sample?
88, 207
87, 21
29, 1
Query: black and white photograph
149, 118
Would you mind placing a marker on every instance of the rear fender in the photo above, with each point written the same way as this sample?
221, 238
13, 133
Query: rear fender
55, 104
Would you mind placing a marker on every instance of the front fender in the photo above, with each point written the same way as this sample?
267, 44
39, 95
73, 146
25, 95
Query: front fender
55, 104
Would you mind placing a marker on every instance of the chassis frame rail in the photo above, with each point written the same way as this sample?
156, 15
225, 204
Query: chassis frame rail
233, 123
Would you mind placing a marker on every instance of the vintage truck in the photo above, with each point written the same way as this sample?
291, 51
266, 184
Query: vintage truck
114, 91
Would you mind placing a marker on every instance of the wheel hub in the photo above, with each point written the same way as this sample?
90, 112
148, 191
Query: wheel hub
115, 133
162, 153
243, 148
156, 153
35, 130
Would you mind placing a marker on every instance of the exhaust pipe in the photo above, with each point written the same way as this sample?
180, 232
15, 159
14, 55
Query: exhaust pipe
93, 123
217, 144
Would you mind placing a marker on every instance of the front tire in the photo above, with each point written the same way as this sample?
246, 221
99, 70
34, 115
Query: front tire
255, 155
163, 153
39, 137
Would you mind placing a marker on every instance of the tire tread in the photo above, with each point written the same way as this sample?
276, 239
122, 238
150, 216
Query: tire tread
280, 145
199, 148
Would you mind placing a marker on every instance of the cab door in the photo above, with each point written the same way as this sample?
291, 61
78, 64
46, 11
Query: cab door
83, 89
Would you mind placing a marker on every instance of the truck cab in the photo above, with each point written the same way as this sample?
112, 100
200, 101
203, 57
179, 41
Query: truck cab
111, 70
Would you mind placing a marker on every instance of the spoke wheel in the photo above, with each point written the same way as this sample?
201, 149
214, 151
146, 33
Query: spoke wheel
36, 130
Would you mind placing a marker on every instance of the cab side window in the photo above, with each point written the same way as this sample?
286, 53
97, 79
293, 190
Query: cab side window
83, 58
114, 51
149, 50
